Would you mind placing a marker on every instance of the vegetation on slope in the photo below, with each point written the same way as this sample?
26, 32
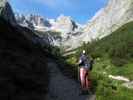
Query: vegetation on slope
113, 55
114, 52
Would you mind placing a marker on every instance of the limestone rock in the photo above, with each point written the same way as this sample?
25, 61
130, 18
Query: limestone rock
115, 14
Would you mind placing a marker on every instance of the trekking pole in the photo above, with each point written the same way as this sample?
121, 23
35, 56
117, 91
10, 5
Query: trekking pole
78, 73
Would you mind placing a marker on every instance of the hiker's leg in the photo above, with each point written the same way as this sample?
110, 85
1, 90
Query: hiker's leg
88, 80
82, 78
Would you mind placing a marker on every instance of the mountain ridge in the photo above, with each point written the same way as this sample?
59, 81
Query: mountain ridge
104, 22
63, 24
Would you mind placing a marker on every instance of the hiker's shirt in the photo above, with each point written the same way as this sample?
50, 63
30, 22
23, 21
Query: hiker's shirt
84, 62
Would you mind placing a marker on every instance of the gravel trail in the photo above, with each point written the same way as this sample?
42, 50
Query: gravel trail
63, 88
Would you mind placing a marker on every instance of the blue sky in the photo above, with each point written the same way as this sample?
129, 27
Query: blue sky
80, 10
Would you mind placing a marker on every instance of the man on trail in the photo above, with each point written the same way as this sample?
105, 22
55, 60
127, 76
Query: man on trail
84, 64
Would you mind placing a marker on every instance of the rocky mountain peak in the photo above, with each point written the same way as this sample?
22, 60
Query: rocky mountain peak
38, 20
66, 22
6, 11
63, 24
34, 22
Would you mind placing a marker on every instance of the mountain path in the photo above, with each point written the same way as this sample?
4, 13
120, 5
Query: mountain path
63, 88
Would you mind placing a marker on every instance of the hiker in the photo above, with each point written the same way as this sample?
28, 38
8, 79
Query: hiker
84, 64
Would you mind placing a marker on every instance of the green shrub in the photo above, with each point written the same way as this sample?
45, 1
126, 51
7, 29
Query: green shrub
108, 89
119, 61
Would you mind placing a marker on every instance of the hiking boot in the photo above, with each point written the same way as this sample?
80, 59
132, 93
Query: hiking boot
84, 92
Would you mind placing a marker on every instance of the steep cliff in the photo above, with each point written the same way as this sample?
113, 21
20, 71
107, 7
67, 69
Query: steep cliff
115, 14
108, 19
23, 62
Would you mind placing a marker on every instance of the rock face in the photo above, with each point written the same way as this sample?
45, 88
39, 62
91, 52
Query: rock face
23, 63
6, 11
50, 38
34, 22
64, 25
115, 14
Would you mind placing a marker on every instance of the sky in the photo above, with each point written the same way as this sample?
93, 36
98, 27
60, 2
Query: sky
80, 10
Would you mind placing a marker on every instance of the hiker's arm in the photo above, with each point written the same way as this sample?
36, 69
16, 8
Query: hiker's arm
79, 62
